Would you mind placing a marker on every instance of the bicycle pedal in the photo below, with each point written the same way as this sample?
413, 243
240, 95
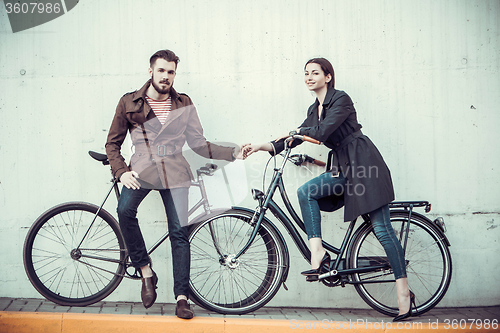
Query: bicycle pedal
312, 278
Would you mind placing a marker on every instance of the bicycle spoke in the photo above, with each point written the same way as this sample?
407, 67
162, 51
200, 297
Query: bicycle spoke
227, 284
427, 266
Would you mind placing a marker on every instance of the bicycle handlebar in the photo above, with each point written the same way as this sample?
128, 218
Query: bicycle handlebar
208, 169
299, 159
306, 138
304, 158
314, 161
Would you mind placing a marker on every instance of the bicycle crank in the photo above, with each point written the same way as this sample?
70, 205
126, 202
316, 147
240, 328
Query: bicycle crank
330, 279
329, 274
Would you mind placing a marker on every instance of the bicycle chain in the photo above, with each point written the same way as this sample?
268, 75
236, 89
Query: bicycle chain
331, 281
120, 250
133, 276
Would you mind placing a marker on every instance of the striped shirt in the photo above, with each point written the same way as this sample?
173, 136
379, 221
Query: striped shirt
160, 108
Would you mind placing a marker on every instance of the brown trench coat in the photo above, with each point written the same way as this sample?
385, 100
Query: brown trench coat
158, 155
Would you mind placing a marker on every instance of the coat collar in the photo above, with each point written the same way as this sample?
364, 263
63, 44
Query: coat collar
141, 93
178, 108
329, 96
328, 99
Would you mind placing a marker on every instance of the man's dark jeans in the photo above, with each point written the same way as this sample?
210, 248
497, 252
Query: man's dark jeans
176, 207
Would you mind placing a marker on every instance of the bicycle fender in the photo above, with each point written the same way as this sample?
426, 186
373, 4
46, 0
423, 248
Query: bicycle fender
287, 259
433, 226
366, 224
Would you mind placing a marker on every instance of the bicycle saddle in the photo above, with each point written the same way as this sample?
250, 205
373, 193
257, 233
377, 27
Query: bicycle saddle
99, 157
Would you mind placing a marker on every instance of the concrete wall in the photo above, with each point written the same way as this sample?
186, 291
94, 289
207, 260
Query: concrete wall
424, 77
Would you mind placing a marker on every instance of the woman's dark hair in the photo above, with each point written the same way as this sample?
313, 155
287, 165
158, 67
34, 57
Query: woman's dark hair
327, 68
163, 54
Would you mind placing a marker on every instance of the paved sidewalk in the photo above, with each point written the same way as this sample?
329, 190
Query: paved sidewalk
285, 313
292, 318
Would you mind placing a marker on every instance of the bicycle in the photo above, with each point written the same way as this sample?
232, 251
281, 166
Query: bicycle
239, 259
74, 253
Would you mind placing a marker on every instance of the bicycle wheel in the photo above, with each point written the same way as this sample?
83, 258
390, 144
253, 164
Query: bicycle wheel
225, 287
428, 265
65, 273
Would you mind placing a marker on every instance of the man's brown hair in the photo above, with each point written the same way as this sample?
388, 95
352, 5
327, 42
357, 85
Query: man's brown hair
163, 54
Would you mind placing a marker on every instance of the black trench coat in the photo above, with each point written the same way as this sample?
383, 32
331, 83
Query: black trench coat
368, 179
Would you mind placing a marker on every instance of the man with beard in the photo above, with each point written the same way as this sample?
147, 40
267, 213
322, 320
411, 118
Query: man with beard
160, 121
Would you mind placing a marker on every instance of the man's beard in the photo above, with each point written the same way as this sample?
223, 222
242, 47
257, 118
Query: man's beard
160, 90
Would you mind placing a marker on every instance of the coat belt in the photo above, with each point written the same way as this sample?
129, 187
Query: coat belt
157, 150
340, 145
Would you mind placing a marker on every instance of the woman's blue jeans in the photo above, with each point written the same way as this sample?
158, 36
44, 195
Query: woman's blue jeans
176, 207
327, 185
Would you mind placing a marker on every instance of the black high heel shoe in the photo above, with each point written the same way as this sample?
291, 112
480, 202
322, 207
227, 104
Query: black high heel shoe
324, 266
408, 314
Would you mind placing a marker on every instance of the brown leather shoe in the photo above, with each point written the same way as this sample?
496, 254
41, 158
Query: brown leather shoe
182, 310
148, 292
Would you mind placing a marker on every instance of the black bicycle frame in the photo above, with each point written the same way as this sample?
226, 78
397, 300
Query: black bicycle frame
266, 202
202, 203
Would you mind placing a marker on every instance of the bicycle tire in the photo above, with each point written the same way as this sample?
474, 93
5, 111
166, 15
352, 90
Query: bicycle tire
53, 265
429, 265
246, 285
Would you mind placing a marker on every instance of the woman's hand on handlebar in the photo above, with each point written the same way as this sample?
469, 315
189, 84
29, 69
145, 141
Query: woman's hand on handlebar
288, 135
282, 137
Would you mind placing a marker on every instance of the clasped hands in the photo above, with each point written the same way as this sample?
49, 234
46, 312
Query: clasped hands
249, 149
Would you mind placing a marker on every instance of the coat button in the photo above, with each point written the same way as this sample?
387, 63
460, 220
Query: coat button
338, 144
